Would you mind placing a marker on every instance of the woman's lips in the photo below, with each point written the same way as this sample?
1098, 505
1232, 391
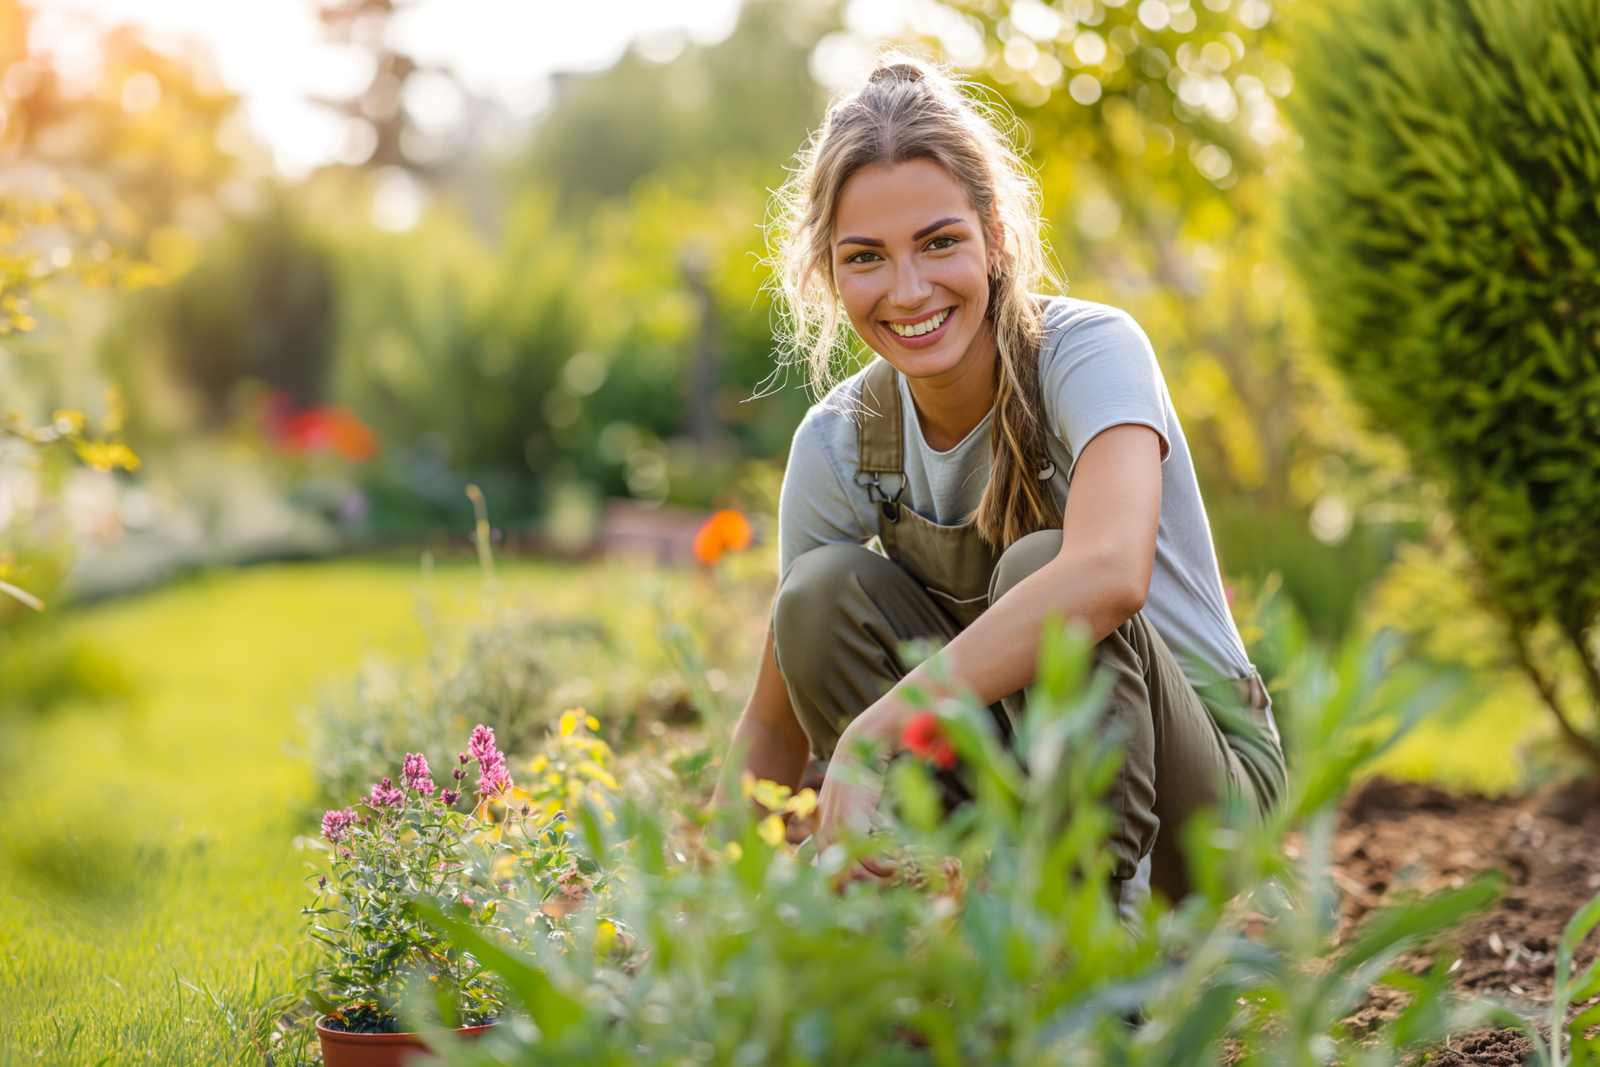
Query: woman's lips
932, 337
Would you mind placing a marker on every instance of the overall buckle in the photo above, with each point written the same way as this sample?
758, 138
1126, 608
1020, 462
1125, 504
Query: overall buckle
890, 505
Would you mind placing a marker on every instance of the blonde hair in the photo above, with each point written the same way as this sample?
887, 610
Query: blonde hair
907, 110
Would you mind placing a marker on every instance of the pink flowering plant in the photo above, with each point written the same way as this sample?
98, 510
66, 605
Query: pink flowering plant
509, 869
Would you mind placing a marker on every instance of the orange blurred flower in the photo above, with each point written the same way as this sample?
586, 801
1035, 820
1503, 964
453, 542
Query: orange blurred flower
334, 429
723, 532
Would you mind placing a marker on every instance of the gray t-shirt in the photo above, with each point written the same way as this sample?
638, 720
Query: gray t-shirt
1097, 370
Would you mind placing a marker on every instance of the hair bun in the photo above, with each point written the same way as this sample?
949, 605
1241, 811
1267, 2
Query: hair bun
900, 72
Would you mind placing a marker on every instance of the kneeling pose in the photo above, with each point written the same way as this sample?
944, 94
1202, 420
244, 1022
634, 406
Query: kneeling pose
1006, 458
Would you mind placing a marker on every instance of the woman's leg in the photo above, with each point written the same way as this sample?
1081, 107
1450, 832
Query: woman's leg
841, 615
1177, 760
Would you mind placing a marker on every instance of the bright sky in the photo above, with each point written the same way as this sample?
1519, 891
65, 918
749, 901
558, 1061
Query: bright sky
272, 53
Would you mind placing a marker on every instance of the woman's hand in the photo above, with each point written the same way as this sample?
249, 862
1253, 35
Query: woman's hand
852, 789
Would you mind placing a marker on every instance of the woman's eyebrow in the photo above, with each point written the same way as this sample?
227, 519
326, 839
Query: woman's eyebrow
941, 224
872, 241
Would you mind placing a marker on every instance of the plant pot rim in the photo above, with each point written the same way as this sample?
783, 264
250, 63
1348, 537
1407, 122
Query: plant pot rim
407, 1037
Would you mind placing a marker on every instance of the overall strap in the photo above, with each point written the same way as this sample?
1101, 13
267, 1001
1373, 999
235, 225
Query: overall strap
880, 438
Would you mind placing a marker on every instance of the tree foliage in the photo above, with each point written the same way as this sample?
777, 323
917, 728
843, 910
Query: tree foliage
1447, 221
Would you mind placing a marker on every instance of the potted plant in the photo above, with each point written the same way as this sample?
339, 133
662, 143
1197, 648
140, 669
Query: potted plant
507, 866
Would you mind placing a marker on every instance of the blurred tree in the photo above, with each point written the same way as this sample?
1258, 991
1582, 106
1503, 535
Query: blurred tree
382, 128
558, 347
1447, 215
258, 305
56, 242
146, 144
671, 107
450, 346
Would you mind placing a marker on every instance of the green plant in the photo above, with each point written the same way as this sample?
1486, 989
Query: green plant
1445, 219
998, 941
499, 867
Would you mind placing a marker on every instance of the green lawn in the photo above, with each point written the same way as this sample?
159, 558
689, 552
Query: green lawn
148, 885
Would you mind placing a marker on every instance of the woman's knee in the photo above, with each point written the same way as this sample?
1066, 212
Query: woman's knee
812, 594
1026, 556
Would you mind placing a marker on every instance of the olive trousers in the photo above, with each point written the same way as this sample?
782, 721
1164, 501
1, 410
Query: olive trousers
843, 611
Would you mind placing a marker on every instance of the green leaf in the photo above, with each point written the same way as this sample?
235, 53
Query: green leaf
1578, 928
320, 1002
552, 1010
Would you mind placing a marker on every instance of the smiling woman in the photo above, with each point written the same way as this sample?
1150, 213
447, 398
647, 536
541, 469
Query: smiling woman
927, 496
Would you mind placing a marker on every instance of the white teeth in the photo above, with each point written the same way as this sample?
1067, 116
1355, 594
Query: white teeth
925, 326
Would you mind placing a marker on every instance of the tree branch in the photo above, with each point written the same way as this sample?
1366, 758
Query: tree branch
1586, 746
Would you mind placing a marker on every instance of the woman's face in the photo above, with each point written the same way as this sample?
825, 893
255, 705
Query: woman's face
912, 265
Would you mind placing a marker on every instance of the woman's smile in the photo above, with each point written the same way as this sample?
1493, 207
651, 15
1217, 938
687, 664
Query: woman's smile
922, 332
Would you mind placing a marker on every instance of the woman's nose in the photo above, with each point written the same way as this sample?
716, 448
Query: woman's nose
910, 287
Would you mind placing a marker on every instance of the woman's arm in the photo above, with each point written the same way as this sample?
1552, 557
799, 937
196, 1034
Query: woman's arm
768, 740
1100, 578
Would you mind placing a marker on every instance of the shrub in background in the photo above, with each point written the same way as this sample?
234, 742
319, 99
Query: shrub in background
1445, 220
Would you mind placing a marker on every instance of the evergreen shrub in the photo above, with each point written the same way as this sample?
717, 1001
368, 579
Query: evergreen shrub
1446, 218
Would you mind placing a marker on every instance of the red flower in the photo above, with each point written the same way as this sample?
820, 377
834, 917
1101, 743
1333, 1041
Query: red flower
334, 429
924, 736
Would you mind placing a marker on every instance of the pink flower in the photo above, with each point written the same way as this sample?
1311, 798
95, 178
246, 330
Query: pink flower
493, 778
574, 886
482, 742
385, 795
449, 797
415, 774
336, 824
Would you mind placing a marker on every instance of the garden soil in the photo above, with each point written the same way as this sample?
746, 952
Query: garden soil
1397, 837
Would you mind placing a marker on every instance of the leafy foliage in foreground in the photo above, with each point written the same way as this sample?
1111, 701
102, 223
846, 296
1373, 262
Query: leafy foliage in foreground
1447, 222
1001, 943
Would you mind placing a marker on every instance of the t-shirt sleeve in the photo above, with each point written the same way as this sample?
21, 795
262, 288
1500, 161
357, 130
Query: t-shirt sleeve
814, 506
1100, 371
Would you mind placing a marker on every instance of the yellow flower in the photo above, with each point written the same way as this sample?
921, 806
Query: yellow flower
771, 795
802, 803
771, 830
605, 937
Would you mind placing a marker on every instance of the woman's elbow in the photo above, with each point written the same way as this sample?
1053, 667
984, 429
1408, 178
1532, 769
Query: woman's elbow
1130, 598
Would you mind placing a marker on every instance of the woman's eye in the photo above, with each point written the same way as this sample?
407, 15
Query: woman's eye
862, 257
941, 243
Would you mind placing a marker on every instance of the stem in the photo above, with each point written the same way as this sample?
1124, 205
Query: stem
23, 595
483, 532
1586, 746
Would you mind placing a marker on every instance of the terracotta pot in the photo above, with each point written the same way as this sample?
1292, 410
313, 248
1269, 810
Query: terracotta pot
342, 1049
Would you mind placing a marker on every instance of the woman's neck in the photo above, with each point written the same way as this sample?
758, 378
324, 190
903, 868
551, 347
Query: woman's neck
949, 405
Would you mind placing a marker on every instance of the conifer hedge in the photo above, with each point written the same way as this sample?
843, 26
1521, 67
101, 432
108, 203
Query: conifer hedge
1446, 219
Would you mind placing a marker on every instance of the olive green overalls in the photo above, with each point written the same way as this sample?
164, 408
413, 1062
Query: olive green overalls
843, 610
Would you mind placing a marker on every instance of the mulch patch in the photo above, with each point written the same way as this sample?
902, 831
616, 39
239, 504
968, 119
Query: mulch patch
1396, 837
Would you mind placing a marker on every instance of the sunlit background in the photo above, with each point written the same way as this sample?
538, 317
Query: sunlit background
331, 263
290, 276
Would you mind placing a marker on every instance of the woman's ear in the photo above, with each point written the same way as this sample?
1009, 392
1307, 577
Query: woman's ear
997, 244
